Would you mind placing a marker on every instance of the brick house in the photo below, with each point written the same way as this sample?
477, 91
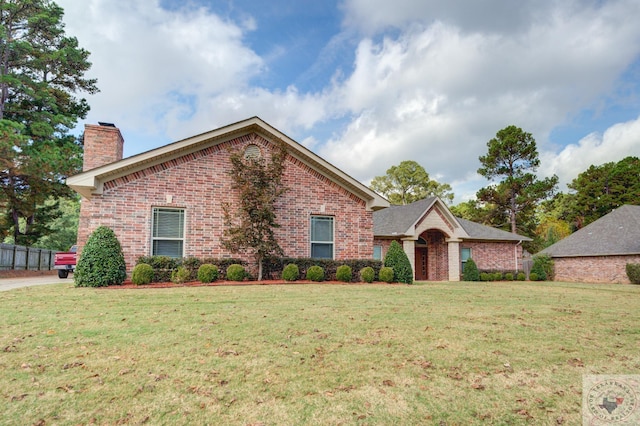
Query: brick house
438, 243
168, 201
599, 252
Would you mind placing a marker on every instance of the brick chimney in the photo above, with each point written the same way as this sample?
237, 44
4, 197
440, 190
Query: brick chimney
102, 145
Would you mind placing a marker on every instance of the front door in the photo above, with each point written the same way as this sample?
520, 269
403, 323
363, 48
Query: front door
421, 264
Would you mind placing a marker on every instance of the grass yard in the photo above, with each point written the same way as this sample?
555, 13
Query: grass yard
431, 353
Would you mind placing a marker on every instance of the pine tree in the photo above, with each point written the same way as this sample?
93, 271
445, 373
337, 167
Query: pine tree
41, 70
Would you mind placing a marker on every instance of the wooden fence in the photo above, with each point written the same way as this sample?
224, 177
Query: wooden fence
25, 258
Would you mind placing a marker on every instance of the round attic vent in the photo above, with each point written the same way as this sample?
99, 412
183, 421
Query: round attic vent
252, 152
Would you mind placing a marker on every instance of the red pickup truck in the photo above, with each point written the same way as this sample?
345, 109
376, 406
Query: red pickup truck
65, 262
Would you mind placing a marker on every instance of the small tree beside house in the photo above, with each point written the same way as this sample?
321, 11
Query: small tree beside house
250, 225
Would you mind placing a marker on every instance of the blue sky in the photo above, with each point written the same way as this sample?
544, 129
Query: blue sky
367, 84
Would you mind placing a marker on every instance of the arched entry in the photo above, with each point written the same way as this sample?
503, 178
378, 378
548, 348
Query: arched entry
431, 256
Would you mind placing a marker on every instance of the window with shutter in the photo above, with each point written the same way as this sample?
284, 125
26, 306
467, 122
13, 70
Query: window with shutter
167, 236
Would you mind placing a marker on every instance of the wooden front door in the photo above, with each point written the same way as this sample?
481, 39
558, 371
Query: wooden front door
421, 264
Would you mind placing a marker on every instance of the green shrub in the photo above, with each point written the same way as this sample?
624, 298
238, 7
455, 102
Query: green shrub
180, 275
496, 276
397, 259
142, 274
386, 274
315, 273
633, 272
543, 267
533, 276
470, 271
485, 276
207, 273
521, 276
236, 272
508, 276
343, 273
367, 274
101, 262
291, 272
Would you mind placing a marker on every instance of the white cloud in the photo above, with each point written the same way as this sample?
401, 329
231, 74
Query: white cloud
434, 89
617, 142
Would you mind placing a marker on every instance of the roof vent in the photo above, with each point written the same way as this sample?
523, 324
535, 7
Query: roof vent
102, 123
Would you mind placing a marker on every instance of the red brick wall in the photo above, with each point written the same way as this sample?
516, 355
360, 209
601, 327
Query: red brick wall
500, 256
102, 145
199, 183
437, 256
596, 269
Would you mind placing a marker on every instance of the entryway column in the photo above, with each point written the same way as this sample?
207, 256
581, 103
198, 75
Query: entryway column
409, 247
453, 246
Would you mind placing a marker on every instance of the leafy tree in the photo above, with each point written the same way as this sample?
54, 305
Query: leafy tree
101, 262
512, 156
409, 182
397, 259
41, 70
601, 189
259, 184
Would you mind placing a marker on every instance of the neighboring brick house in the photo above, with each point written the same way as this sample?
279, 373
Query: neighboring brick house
168, 201
438, 243
599, 252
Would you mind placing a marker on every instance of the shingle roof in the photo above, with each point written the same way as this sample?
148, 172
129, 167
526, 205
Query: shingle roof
617, 233
478, 231
396, 221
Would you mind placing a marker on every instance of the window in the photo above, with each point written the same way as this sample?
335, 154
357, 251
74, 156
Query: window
322, 237
377, 252
167, 236
465, 254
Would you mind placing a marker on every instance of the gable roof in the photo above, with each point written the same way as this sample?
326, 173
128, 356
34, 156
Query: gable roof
617, 233
92, 181
399, 221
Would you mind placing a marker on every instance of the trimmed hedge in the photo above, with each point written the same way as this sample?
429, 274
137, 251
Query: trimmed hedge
102, 262
397, 259
386, 274
236, 272
142, 274
180, 275
163, 266
291, 272
344, 274
273, 267
470, 272
315, 273
207, 273
633, 272
367, 274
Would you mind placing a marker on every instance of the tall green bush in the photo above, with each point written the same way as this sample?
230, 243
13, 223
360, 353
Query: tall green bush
397, 259
101, 262
633, 272
470, 271
542, 267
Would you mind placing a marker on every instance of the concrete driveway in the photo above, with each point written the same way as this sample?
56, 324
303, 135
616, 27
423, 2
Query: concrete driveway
11, 283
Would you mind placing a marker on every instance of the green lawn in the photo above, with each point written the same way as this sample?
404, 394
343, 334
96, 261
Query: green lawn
432, 353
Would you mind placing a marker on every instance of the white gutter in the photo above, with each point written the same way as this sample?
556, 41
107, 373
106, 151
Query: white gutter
515, 254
